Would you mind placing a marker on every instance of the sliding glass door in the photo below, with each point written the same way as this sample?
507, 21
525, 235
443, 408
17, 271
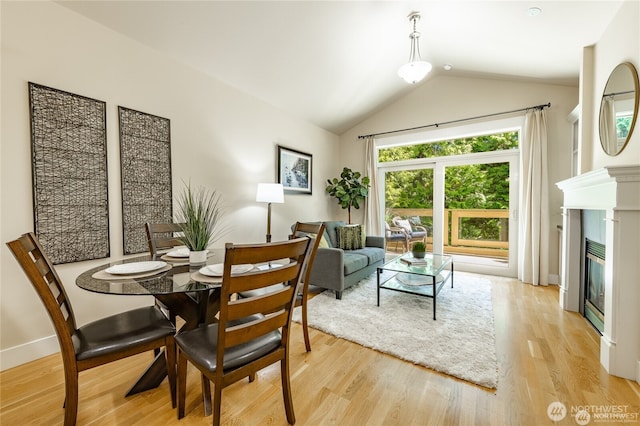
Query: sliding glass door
409, 195
465, 197
478, 229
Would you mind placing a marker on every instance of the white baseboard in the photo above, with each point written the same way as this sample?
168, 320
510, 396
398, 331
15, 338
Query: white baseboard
21, 354
554, 279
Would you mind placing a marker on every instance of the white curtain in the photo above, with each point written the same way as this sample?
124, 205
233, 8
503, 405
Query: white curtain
533, 253
608, 131
372, 206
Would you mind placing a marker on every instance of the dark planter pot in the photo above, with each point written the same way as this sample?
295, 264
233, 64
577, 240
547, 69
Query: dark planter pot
418, 254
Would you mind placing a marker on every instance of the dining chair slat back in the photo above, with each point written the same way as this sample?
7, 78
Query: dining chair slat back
253, 332
161, 236
96, 343
316, 231
29, 254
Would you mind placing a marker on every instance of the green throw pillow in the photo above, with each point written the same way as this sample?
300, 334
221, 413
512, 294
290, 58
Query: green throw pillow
349, 237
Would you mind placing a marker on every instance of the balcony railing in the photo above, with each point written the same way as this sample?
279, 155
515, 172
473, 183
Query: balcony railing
460, 223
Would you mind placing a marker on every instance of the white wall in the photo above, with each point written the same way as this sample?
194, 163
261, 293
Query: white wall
221, 138
619, 43
445, 98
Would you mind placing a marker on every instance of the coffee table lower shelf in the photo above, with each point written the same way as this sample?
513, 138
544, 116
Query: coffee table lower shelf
413, 283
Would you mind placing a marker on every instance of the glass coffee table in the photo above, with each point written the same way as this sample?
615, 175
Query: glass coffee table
407, 274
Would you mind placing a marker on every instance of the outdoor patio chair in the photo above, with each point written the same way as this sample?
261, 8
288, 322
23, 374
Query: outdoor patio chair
414, 232
396, 234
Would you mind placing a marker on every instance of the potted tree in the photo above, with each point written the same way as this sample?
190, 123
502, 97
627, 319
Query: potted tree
199, 213
350, 190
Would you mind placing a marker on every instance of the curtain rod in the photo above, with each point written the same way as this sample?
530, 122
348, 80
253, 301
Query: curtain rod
542, 106
618, 93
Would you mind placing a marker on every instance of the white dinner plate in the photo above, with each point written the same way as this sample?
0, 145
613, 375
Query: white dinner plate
182, 252
135, 267
218, 269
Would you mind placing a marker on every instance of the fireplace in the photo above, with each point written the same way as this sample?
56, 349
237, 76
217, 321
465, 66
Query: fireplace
593, 304
612, 286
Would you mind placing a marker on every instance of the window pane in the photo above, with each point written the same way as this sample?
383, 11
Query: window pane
486, 143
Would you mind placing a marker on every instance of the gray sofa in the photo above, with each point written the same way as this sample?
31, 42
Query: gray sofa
337, 269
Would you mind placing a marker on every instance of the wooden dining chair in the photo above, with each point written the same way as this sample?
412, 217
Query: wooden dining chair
315, 232
251, 333
162, 236
99, 342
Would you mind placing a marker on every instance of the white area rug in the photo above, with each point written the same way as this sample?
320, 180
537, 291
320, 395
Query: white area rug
460, 342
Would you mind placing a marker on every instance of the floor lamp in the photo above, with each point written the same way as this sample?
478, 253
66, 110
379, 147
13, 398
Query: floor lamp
269, 193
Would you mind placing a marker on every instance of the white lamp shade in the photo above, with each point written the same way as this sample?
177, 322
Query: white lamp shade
413, 72
270, 193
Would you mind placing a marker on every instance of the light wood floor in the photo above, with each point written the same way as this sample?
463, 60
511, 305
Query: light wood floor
544, 355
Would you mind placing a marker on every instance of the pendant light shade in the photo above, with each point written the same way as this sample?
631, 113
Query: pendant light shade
416, 69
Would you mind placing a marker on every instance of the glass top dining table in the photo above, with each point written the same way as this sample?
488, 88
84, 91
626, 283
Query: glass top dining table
175, 277
177, 285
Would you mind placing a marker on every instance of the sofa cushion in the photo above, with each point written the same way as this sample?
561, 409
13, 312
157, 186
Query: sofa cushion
330, 229
349, 237
373, 254
404, 223
364, 235
323, 238
354, 261
418, 234
323, 241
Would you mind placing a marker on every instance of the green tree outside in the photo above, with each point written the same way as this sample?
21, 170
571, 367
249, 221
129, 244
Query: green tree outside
476, 186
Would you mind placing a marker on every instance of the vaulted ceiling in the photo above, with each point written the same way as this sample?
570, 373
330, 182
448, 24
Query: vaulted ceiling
335, 62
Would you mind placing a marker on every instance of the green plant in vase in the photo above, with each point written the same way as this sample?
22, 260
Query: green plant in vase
418, 250
350, 189
199, 213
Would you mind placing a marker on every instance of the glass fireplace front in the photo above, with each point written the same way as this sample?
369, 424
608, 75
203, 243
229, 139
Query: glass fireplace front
594, 284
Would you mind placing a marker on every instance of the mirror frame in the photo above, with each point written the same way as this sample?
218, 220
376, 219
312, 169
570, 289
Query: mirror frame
627, 66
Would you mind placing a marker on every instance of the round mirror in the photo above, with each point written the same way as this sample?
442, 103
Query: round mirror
619, 108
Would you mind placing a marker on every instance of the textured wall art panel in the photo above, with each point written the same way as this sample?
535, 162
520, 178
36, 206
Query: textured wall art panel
69, 167
145, 155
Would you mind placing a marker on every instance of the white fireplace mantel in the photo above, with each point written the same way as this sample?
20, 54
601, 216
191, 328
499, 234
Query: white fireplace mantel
616, 190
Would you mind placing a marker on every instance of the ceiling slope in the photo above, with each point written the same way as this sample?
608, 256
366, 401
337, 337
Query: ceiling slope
333, 63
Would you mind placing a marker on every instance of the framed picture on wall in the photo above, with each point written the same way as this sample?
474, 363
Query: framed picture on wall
294, 170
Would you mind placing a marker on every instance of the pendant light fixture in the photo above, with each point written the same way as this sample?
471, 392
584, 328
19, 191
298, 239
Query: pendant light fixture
416, 69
